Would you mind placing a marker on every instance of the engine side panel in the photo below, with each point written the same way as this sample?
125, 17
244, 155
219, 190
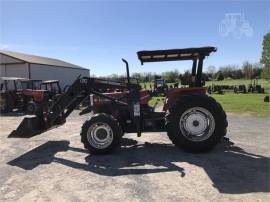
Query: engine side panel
98, 101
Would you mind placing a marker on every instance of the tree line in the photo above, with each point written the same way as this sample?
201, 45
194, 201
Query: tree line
169, 76
246, 71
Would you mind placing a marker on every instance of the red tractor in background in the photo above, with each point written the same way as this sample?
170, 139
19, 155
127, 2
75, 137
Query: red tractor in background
27, 95
193, 121
52, 86
20, 93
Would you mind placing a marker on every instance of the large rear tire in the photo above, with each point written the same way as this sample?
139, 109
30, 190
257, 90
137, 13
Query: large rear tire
196, 123
6, 104
101, 134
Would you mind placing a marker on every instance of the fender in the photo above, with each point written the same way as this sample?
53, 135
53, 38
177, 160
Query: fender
175, 94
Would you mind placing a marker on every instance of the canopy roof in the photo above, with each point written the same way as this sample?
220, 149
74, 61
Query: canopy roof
174, 54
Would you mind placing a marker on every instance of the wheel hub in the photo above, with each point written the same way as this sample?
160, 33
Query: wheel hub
100, 135
197, 124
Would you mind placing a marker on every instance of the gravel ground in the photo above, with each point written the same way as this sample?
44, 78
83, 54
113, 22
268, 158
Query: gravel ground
55, 167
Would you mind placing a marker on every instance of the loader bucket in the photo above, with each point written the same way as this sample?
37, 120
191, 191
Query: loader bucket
29, 127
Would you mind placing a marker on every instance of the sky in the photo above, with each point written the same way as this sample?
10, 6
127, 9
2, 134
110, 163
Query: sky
97, 34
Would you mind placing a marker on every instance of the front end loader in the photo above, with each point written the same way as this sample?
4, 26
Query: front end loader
192, 120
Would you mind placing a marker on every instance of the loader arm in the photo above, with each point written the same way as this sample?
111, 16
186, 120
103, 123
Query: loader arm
79, 91
67, 102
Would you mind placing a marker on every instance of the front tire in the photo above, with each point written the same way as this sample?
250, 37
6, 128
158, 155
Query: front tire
31, 107
196, 123
101, 134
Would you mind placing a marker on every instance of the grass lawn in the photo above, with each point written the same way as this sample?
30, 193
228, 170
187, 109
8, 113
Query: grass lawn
252, 104
147, 85
263, 82
236, 103
155, 100
244, 103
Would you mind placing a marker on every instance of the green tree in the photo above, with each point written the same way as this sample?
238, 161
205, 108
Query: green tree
211, 70
186, 78
266, 73
170, 76
265, 59
113, 76
220, 76
247, 69
138, 76
148, 76
257, 70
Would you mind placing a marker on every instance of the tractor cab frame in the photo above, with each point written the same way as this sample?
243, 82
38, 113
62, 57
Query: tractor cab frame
31, 84
52, 87
12, 83
11, 93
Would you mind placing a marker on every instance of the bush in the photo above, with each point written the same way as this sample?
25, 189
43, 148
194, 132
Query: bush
220, 76
186, 78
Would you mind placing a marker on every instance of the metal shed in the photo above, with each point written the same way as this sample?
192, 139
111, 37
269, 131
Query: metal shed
14, 64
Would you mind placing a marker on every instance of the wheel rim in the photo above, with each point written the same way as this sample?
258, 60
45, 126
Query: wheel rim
197, 124
2, 103
100, 135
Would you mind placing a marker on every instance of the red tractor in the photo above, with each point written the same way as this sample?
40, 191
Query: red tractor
10, 95
37, 92
22, 94
52, 86
192, 120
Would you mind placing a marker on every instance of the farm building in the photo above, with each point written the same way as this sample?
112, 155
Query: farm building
14, 64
